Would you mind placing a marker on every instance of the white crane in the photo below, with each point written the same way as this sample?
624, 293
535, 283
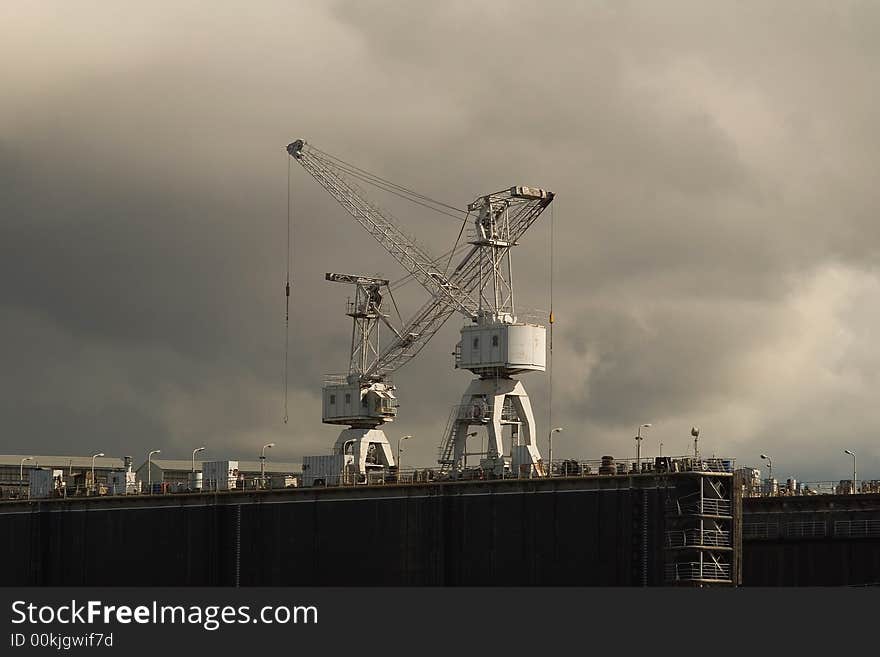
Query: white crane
361, 401
494, 345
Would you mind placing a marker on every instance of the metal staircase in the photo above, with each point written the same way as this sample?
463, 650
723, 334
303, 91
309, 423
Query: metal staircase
447, 447
699, 535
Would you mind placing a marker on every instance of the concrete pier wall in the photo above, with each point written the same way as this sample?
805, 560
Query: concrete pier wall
603, 531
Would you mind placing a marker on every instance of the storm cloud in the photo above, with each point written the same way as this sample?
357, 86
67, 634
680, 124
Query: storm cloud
715, 219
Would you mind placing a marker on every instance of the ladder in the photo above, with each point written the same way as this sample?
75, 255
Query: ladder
447, 447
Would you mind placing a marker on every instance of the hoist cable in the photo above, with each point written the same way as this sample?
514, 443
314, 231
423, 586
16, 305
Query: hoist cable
401, 188
396, 309
287, 297
457, 239
552, 320
382, 185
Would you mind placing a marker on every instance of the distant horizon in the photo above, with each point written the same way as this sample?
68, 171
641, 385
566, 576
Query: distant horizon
591, 461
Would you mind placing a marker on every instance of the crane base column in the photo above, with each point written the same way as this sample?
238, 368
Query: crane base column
494, 403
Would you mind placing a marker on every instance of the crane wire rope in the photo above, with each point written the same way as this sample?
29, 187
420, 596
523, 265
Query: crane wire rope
386, 185
391, 190
375, 177
407, 278
396, 309
402, 192
287, 298
455, 246
552, 320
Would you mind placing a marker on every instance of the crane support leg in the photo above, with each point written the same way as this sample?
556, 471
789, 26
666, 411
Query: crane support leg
494, 403
369, 447
525, 452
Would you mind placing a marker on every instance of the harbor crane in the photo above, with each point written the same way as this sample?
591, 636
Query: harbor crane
358, 400
494, 344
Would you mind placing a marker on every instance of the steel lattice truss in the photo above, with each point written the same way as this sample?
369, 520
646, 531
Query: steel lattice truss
463, 290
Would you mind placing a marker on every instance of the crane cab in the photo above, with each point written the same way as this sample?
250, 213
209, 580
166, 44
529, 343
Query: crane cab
501, 348
358, 404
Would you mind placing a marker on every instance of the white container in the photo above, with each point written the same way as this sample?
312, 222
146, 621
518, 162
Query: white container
325, 469
219, 475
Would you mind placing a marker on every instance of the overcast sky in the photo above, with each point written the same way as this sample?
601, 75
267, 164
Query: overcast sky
715, 166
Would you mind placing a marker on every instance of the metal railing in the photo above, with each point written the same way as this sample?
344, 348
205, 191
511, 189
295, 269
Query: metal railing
807, 488
818, 488
537, 316
562, 468
655, 465
805, 529
704, 507
717, 507
691, 571
697, 538
811, 529
760, 530
857, 528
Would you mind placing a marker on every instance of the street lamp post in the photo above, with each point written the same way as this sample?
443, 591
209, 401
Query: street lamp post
853, 454
661, 449
196, 450
769, 473
150, 470
192, 477
21, 474
399, 462
95, 483
550, 455
263, 464
639, 446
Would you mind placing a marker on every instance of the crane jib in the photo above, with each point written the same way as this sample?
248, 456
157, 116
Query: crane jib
449, 292
376, 222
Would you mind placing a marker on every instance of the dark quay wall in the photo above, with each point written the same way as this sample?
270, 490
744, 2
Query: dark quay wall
819, 540
607, 531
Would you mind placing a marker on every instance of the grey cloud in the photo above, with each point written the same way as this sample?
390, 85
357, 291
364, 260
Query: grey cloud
712, 164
